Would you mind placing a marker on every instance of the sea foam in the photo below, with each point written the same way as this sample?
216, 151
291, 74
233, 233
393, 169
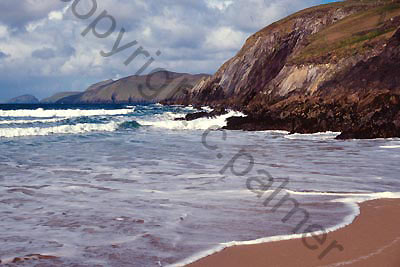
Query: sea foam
66, 113
63, 129
352, 201
315, 136
167, 121
31, 121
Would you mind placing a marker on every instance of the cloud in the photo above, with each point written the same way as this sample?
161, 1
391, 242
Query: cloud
3, 32
41, 39
67, 51
20, 13
224, 38
48, 53
219, 4
3, 55
44, 53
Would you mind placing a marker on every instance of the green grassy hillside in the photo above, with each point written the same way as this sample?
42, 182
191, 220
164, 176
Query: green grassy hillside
353, 35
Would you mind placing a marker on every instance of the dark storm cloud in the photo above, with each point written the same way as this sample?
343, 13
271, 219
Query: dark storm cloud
18, 13
48, 53
67, 51
44, 53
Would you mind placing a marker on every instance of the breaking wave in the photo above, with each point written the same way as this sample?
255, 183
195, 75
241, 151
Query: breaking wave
129, 125
167, 121
315, 136
66, 113
41, 122
31, 121
63, 129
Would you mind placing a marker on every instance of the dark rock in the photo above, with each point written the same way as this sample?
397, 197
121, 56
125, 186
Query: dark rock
197, 115
33, 257
203, 114
15, 260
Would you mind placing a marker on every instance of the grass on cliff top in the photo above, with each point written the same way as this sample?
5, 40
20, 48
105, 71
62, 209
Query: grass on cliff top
286, 24
350, 35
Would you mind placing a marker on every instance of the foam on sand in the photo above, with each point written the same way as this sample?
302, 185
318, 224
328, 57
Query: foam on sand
68, 113
391, 147
166, 120
352, 201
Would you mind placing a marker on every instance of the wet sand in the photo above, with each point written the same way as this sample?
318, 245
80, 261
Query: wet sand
373, 239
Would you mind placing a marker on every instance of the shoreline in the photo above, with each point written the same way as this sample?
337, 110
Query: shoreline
371, 238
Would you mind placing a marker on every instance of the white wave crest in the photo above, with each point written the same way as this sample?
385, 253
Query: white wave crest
31, 121
207, 108
66, 113
390, 147
315, 136
357, 198
166, 120
354, 197
189, 108
64, 129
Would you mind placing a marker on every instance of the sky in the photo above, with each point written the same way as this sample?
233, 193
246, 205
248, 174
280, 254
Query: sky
49, 46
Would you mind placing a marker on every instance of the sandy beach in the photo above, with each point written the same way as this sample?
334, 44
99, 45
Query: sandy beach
373, 239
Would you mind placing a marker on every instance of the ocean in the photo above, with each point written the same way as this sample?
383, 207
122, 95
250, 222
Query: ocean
121, 185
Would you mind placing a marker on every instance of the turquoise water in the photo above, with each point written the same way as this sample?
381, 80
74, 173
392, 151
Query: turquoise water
129, 186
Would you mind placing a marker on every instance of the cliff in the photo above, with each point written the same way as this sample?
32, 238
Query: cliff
154, 87
24, 99
57, 97
329, 67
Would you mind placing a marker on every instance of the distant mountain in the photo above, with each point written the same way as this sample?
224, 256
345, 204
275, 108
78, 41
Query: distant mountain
99, 85
155, 87
55, 98
23, 99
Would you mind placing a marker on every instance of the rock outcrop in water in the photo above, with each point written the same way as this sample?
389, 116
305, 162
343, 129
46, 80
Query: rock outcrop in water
24, 99
155, 87
203, 114
333, 67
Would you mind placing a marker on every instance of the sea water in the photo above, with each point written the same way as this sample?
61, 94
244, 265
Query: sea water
122, 185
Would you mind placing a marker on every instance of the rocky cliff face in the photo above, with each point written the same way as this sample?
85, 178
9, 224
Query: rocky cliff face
312, 71
57, 97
